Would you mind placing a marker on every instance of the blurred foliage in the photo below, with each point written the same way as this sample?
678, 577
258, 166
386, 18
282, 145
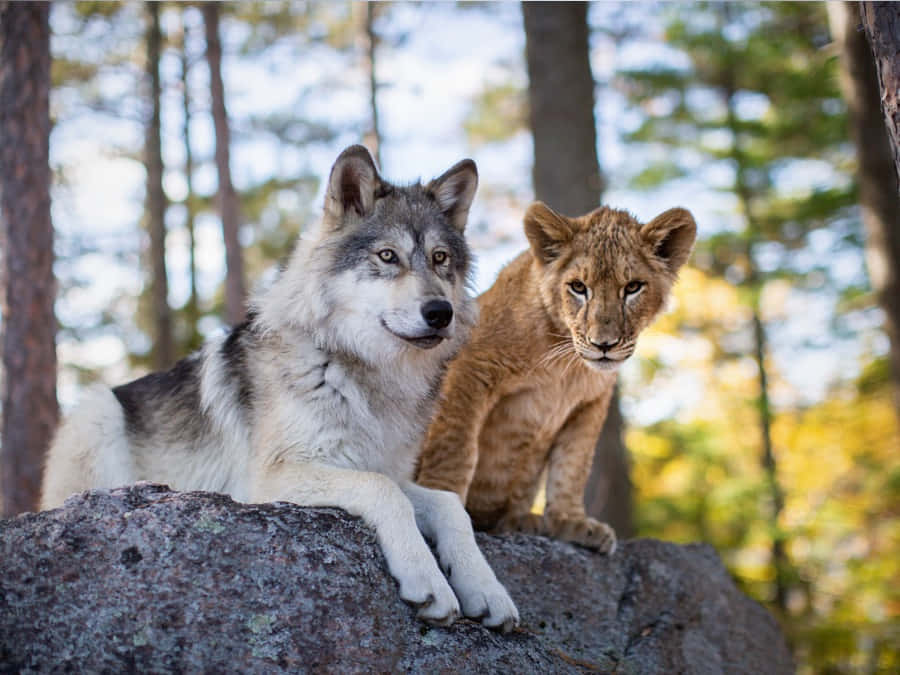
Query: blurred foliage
697, 476
757, 105
497, 114
745, 101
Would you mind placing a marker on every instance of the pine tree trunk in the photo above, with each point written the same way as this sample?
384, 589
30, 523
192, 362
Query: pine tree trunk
194, 339
882, 24
373, 138
878, 194
780, 562
235, 290
770, 467
163, 343
30, 409
566, 176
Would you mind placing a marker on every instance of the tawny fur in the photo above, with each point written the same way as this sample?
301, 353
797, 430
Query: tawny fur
530, 391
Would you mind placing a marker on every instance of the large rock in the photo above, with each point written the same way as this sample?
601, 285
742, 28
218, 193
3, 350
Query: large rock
145, 579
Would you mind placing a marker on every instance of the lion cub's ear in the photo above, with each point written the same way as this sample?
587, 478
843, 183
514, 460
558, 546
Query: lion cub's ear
351, 187
671, 235
547, 231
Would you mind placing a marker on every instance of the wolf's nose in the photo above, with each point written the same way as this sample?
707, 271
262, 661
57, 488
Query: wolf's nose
437, 313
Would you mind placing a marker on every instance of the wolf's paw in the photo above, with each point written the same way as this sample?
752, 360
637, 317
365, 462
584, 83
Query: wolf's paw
429, 591
527, 523
587, 532
492, 606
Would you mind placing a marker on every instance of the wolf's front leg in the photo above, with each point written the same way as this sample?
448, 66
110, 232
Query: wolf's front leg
441, 517
382, 505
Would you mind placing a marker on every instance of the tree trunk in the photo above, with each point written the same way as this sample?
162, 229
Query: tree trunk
882, 24
194, 339
373, 138
163, 344
30, 409
566, 176
769, 463
779, 555
235, 291
878, 194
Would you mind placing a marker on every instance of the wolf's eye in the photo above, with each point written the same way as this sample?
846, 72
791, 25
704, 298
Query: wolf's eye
388, 256
633, 287
578, 287
439, 257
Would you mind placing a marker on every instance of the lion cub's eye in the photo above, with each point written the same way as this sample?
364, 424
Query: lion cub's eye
439, 257
633, 287
388, 256
578, 287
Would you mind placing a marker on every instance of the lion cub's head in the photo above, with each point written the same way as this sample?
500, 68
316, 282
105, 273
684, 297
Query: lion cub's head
605, 275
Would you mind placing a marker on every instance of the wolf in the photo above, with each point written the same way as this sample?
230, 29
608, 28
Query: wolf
322, 396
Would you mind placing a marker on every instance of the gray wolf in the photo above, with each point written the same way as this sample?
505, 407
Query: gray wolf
322, 396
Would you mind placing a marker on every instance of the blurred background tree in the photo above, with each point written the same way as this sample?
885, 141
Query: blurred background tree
30, 409
760, 410
561, 114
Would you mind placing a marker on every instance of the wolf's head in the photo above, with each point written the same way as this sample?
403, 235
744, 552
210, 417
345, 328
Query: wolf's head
387, 270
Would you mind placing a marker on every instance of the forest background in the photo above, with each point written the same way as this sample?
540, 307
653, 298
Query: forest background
188, 146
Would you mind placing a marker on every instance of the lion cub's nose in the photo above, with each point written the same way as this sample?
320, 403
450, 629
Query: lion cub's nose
437, 313
605, 346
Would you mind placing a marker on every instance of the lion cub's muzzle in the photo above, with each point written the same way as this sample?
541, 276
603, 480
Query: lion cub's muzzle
606, 352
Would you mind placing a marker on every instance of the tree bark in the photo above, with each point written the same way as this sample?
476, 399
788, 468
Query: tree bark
567, 176
607, 496
878, 195
882, 24
743, 191
163, 343
373, 138
194, 339
30, 409
235, 290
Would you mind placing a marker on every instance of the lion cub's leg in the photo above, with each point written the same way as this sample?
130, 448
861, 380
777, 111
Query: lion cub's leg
570, 465
518, 516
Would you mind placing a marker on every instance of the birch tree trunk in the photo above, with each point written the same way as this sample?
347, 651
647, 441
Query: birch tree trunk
229, 207
567, 176
30, 410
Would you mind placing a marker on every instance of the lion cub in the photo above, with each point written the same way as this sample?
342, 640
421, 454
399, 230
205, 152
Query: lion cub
531, 389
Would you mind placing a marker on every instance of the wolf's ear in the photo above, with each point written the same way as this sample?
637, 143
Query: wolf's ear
351, 186
671, 236
454, 191
547, 231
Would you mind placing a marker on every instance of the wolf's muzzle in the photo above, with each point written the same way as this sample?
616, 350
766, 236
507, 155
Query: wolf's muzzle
437, 313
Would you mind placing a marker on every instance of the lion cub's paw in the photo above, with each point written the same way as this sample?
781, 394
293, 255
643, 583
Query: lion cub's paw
585, 531
526, 523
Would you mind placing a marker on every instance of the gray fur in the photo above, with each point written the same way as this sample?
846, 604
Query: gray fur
323, 395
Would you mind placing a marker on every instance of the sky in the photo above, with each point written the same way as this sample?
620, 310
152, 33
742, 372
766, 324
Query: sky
446, 57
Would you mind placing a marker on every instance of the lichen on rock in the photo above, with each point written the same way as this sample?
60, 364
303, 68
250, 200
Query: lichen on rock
146, 579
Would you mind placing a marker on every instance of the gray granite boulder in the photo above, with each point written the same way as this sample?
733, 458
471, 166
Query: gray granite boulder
148, 580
